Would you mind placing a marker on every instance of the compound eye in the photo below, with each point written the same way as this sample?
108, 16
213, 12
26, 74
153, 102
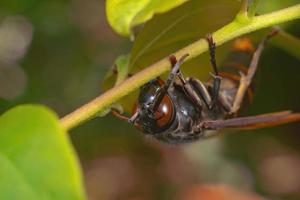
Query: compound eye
164, 113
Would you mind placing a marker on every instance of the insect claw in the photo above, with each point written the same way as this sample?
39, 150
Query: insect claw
210, 40
173, 60
178, 64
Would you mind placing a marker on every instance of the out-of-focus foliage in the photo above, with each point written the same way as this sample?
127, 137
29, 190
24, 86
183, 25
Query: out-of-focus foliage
288, 42
15, 37
37, 160
71, 50
265, 6
213, 192
123, 15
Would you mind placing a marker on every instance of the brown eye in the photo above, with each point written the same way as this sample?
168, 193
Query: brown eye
164, 113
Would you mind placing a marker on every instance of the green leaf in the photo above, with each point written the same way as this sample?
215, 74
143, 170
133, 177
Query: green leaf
37, 160
125, 14
117, 73
167, 33
122, 67
112, 78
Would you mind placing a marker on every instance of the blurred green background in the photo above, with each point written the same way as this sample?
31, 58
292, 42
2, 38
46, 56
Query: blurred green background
57, 52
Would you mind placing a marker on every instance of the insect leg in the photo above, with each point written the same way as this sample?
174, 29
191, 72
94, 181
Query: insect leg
174, 72
117, 114
252, 122
245, 80
176, 69
195, 88
202, 91
191, 93
186, 85
217, 78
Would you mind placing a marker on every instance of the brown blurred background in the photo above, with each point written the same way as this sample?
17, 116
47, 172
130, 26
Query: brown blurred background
57, 53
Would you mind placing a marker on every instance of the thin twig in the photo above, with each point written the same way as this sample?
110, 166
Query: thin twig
244, 6
252, 8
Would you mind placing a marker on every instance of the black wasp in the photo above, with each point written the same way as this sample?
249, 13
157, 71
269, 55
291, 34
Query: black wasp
182, 109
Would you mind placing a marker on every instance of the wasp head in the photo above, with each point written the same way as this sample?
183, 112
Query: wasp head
155, 110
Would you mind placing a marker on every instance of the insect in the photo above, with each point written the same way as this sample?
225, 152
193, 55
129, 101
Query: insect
182, 109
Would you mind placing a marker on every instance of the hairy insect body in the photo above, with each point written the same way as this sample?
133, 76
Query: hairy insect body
188, 116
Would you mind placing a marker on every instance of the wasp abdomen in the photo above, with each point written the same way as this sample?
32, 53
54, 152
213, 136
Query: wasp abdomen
237, 62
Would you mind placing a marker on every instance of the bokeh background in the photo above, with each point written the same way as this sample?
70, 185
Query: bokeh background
57, 53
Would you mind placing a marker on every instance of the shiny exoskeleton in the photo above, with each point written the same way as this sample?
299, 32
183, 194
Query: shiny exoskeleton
175, 118
182, 109
188, 102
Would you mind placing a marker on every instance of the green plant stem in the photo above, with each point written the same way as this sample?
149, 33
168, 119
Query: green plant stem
239, 26
252, 8
244, 6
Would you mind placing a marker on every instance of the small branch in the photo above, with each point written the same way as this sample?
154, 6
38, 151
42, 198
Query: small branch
244, 6
234, 29
252, 8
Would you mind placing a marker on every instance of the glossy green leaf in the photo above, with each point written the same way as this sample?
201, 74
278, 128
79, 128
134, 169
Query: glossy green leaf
37, 160
125, 14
